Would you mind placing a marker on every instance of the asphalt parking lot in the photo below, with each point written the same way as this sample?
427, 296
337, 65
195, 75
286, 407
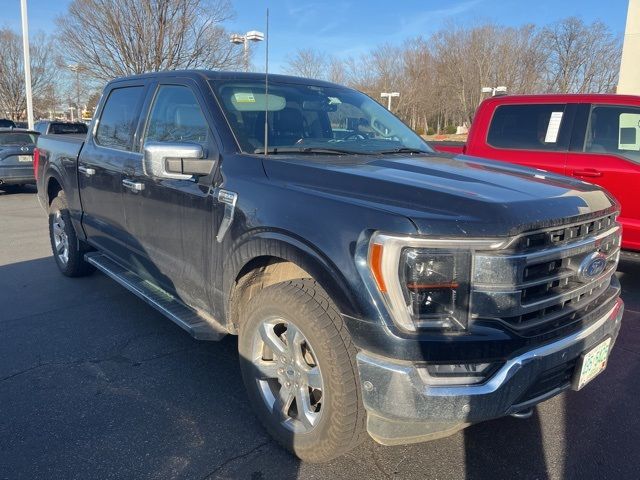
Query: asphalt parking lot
96, 384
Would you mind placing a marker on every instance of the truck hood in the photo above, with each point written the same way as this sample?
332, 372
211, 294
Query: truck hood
445, 195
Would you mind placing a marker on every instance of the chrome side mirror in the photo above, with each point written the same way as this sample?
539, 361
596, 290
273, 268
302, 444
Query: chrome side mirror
178, 161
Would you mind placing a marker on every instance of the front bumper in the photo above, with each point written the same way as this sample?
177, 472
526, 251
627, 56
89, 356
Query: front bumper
403, 408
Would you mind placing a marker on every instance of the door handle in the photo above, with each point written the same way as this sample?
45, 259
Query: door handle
87, 171
133, 186
589, 172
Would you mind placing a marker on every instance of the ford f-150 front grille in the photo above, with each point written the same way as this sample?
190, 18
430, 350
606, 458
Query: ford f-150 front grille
548, 278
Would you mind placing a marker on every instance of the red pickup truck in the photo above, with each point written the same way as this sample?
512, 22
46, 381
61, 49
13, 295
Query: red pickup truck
595, 138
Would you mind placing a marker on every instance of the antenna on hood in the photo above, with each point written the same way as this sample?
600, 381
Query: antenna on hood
266, 91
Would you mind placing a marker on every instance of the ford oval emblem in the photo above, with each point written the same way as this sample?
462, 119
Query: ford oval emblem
592, 266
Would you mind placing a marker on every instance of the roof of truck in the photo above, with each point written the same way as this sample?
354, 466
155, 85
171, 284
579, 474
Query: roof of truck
567, 98
225, 75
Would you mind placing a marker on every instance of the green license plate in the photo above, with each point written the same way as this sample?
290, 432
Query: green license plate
592, 363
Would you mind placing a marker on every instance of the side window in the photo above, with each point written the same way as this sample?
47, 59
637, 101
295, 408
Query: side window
119, 118
527, 127
176, 116
614, 130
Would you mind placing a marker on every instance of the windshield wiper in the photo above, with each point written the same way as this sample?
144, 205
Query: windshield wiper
330, 151
403, 150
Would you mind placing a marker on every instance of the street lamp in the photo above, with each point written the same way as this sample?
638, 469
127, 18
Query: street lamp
495, 91
388, 96
77, 68
27, 61
252, 36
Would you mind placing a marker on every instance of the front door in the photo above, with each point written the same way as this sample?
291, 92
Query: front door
172, 219
100, 169
609, 155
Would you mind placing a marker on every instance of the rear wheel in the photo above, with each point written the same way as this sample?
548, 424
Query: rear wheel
298, 365
68, 250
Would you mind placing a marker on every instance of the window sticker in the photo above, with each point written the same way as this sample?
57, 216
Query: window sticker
244, 97
554, 127
629, 135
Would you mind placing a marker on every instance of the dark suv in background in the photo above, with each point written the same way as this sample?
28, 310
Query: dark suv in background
16, 156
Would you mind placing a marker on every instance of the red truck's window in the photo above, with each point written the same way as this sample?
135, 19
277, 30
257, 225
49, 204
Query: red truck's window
614, 130
527, 127
119, 118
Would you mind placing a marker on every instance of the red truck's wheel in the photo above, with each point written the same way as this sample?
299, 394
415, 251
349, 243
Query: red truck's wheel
298, 364
68, 251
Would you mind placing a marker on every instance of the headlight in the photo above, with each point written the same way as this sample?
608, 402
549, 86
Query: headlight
425, 282
435, 287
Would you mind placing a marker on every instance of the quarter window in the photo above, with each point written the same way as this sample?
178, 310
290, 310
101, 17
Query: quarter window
176, 116
527, 127
119, 118
614, 130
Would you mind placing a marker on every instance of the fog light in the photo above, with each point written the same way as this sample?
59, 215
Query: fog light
457, 374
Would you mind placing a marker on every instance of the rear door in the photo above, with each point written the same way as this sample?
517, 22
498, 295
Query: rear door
100, 168
607, 153
533, 135
172, 219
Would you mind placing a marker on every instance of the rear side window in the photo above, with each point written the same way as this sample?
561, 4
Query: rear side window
614, 130
4, 123
527, 127
119, 118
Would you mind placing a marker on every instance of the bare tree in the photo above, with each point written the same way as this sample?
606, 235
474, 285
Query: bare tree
111, 38
440, 78
308, 63
12, 88
581, 58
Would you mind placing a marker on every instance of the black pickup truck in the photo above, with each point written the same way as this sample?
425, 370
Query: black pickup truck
375, 286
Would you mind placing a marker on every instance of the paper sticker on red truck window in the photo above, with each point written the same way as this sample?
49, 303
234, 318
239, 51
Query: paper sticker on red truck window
554, 127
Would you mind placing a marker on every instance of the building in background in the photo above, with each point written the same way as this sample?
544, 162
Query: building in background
629, 81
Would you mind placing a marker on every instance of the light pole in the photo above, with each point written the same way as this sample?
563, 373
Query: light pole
27, 61
252, 36
495, 90
388, 96
76, 68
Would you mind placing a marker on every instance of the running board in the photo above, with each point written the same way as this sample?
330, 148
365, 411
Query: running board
197, 325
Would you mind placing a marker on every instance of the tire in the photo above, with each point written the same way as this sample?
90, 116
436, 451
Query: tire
68, 250
335, 421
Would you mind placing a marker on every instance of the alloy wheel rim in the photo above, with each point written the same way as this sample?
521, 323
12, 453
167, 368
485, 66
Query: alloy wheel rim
288, 375
60, 238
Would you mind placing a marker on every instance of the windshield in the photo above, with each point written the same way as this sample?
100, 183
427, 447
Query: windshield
16, 138
309, 118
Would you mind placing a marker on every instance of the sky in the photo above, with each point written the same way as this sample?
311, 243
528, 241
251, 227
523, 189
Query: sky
351, 28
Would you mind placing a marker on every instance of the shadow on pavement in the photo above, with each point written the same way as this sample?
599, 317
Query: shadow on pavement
96, 384
601, 441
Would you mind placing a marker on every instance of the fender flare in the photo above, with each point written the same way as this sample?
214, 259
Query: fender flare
52, 172
278, 244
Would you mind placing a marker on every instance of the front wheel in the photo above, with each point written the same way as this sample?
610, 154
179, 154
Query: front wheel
298, 365
68, 251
